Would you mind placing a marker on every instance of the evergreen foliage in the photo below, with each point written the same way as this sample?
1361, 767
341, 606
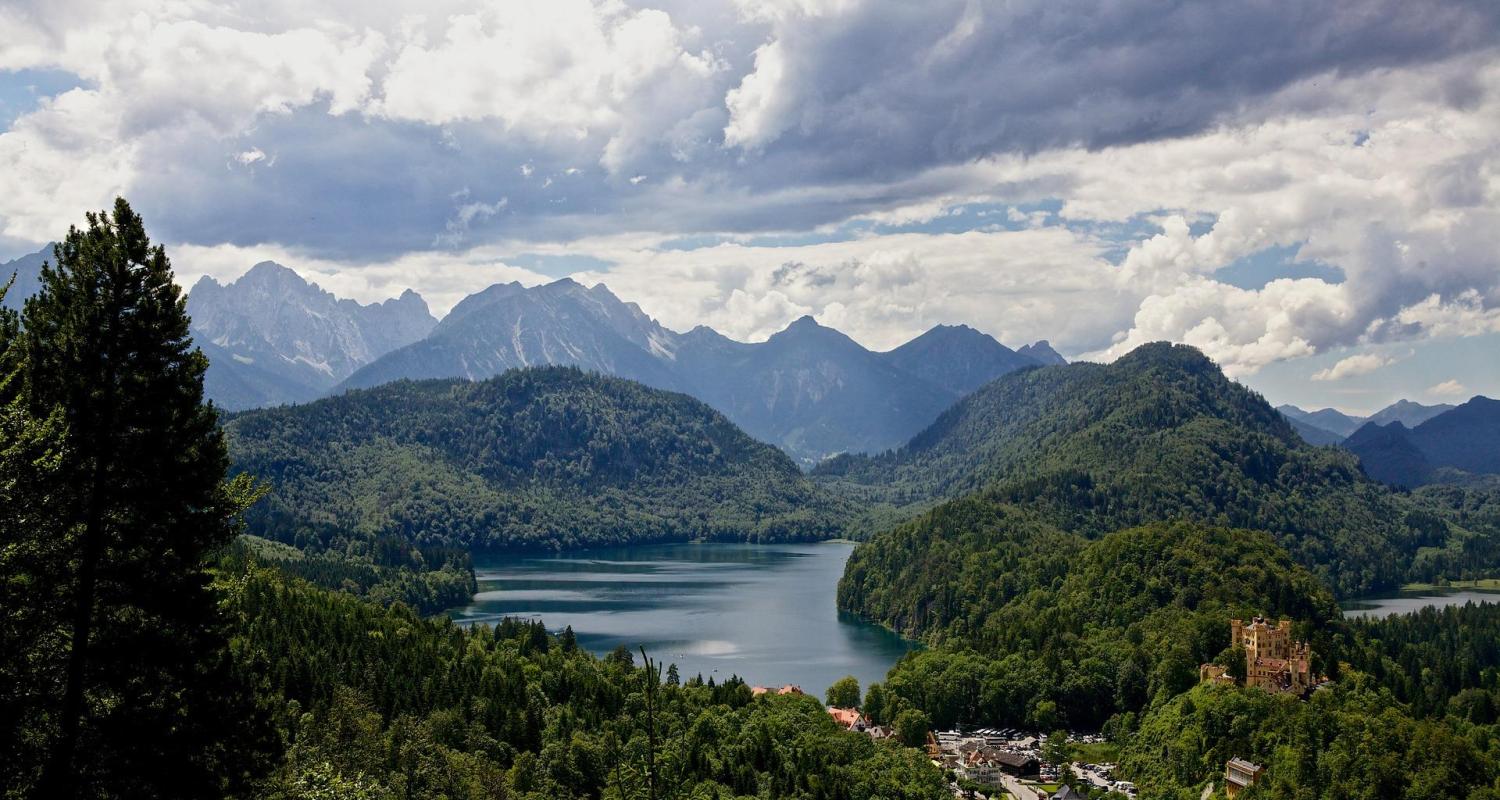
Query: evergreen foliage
1160, 434
1058, 631
378, 702
114, 471
1352, 740
547, 457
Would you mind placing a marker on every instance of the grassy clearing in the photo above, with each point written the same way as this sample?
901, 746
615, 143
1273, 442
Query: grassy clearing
1491, 584
1100, 753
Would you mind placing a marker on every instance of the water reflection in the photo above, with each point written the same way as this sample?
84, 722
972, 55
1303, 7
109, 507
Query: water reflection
764, 612
1407, 602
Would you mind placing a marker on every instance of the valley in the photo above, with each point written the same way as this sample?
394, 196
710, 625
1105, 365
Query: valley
750, 400
572, 578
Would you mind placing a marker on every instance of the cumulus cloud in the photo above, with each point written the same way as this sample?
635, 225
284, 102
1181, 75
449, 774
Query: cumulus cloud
1448, 388
1362, 364
569, 69
951, 80
759, 106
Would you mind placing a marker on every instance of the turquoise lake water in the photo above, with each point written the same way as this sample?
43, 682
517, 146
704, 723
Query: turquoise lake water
763, 612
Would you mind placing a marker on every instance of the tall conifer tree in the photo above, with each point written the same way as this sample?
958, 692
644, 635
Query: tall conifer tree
32, 543
147, 705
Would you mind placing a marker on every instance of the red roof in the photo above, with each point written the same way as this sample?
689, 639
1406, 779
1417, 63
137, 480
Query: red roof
846, 717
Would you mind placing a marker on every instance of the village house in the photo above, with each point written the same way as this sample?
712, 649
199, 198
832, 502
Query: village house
1239, 774
847, 718
1017, 763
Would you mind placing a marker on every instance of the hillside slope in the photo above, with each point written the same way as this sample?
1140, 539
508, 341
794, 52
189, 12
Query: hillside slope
1088, 449
547, 457
1053, 629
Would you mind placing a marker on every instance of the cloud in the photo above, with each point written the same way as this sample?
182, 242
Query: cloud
814, 155
1015, 285
1448, 388
759, 106
552, 69
1362, 364
918, 85
464, 215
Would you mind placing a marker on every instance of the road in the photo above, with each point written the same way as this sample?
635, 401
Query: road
1020, 790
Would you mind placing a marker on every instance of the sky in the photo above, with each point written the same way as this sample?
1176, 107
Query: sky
1308, 192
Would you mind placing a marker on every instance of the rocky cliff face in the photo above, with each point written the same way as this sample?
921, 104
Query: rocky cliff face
272, 337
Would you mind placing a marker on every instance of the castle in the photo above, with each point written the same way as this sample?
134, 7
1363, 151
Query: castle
1273, 661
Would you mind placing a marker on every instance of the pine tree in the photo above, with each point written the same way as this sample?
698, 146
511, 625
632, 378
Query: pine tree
148, 706
31, 545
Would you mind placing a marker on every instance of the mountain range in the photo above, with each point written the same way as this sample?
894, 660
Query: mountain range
273, 338
808, 389
1461, 441
1331, 426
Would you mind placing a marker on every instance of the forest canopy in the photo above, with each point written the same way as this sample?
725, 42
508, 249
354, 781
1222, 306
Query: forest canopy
536, 458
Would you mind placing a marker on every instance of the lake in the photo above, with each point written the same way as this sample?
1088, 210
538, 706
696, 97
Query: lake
1407, 602
762, 611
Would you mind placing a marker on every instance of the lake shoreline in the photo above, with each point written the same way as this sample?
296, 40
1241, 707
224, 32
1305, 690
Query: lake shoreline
764, 612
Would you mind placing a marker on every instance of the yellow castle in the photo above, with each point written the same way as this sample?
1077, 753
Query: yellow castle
1273, 660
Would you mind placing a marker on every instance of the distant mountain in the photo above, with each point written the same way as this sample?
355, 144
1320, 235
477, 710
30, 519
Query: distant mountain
1407, 413
961, 359
272, 337
1328, 419
809, 389
1312, 434
545, 457
1388, 454
27, 271
1042, 353
508, 326
1331, 426
1465, 439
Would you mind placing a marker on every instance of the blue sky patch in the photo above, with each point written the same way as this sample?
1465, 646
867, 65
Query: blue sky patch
21, 91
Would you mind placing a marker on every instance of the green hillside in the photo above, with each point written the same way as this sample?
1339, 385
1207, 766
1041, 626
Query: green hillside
1106, 522
1160, 434
550, 457
1045, 628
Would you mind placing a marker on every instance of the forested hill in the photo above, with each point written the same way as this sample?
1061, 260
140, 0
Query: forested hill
1160, 434
1043, 628
1081, 415
548, 457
